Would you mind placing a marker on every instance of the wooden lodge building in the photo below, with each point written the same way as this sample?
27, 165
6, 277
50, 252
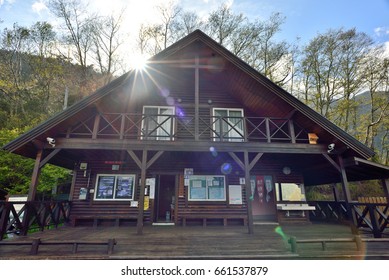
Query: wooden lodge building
197, 137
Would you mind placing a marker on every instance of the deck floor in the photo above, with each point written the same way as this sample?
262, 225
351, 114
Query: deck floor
196, 242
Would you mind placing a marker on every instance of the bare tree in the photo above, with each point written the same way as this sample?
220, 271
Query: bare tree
222, 23
107, 41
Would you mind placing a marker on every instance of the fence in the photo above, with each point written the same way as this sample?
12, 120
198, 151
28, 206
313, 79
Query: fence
33, 215
370, 217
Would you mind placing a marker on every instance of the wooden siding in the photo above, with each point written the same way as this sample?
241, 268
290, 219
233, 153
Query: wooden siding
203, 163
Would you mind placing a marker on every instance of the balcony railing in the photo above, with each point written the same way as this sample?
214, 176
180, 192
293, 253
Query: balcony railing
33, 215
183, 128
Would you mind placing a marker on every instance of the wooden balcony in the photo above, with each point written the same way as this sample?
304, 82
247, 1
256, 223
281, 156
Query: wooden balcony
187, 128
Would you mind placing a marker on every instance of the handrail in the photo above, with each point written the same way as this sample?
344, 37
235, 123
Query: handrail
182, 127
33, 215
373, 217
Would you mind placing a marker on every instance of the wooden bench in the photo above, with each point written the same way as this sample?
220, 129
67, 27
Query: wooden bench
36, 243
357, 239
204, 217
97, 219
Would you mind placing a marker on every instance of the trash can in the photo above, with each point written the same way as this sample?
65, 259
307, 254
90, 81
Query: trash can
167, 216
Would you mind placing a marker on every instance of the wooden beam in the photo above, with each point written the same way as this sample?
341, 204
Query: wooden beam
333, 163
49, 157
135, 158
96, 126
237, 160
35, 176
347, 196
197, 98
255, 160
154, 158
250, 222
184, 146
139, 226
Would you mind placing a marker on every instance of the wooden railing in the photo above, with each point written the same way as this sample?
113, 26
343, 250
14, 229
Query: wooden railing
371, 217
33, 215
183, 127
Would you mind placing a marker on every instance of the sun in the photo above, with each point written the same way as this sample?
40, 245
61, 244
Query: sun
138, 62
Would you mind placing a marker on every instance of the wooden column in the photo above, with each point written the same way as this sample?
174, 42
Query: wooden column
197, 98
385, 186
246, 167
139, 226
250, 222
35, 176
335, 192
347, 195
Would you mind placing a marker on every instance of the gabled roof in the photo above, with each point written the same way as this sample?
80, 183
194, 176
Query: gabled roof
349, 141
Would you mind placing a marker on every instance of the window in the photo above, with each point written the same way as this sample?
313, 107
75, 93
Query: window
158, 123
114, 187
210, 188
290, 192
228, 125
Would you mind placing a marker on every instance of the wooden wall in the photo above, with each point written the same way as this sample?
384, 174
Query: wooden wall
202, 163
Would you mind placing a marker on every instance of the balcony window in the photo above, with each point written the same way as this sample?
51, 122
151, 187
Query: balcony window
228, 125
158, 122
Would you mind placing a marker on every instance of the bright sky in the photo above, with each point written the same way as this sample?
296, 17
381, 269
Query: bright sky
304, 18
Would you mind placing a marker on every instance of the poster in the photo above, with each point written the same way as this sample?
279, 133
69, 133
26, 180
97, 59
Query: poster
235, 192
146, 203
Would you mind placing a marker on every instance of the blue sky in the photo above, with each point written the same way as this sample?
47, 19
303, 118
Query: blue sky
304, 18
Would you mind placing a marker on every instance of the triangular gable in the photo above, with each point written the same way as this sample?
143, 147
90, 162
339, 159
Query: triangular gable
337, 133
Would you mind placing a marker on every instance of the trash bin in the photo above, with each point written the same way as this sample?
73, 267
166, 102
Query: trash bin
167, 216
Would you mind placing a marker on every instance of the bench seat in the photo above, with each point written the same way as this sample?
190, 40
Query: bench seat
206, 217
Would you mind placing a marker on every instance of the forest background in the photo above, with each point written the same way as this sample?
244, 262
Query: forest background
341, 73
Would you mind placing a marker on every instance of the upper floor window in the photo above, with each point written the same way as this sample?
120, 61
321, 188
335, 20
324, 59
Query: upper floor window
228, 124
158, 122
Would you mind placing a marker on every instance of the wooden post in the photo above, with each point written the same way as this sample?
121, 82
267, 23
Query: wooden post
35, 176
335, 192
139, 227
347, 196
385, 186
250, 222
197, 98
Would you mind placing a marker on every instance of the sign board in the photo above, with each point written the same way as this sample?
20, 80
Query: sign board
235, 192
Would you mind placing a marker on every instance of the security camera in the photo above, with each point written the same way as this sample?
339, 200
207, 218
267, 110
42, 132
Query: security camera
51, 141
331, 147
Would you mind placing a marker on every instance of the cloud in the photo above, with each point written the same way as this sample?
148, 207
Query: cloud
381, 31
39, 6
9, 2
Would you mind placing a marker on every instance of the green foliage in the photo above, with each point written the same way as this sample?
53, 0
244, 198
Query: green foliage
16, 171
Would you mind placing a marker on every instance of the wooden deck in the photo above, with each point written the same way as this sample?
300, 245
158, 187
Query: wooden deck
269, 241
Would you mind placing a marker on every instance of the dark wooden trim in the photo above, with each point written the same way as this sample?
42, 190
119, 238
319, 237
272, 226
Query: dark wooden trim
139, 226
187, 146
197, 98
237, 160
333, 163
96, 126
255, 160
73, 185
135, 158
48, 157
35, 176
291, 131
347, 195
154, 159
250, 222
385, 186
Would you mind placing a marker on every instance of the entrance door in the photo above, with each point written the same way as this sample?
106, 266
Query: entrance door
263, 203
165, 192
